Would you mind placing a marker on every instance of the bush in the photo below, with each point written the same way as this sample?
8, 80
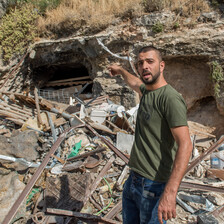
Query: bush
217, 77
157, 28
17, 30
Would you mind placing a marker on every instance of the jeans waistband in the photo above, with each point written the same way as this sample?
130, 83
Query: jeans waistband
140, 178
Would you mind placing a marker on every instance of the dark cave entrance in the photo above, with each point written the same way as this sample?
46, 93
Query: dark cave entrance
60, 82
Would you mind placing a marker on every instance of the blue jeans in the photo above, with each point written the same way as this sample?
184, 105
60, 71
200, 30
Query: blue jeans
140, 200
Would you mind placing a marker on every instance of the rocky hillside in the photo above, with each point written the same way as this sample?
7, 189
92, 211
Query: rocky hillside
192, 49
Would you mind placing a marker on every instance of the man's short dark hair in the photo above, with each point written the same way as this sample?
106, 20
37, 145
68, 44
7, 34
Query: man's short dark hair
151, 48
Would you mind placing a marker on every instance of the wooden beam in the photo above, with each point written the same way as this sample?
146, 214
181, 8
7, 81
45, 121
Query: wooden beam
70, 80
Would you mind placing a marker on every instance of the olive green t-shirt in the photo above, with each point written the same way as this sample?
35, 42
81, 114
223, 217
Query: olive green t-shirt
154, 148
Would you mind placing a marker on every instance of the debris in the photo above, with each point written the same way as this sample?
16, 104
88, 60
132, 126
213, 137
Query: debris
189, 185
87, 172
81, 216
215, 173
125, 142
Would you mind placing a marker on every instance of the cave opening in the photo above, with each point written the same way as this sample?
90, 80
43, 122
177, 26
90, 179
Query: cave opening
60, 82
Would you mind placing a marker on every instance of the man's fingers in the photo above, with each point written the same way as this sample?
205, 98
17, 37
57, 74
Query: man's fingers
169, 215
160, 217
165, 216
174, 213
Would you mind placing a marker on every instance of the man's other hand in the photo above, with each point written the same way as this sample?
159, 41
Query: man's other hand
167, 206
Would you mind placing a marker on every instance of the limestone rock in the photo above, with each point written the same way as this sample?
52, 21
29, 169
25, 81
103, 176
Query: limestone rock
20, 145
10, 188
3, 6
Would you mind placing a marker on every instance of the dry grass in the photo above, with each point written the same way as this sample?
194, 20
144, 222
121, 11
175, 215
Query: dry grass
71, 15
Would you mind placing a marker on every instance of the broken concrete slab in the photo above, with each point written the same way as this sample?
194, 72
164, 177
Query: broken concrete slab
10, 188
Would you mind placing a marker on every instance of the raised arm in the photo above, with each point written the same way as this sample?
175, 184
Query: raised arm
130, 79
167, 204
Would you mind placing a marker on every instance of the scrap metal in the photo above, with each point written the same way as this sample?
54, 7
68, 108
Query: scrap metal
82, 216
126, 58
195, 162
110, 145
36, 175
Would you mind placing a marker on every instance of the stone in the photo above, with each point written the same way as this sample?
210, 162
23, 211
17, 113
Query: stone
20, 145
153, 18
10, 188
215, 198
3, 7
206, 219
208, 17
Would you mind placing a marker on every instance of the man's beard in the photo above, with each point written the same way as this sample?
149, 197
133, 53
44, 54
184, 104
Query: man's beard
153, 80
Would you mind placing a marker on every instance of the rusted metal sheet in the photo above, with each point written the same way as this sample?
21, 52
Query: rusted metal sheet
110, 145
82, 216
205, 154
202, 187
36, 175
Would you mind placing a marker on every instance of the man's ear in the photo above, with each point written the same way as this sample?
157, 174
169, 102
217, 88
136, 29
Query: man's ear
162, 66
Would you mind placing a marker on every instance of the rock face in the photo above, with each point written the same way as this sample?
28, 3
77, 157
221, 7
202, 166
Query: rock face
3, 6
188, 54
10, 188
21, 145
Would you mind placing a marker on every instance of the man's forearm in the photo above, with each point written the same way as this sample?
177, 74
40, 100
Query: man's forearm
167, 204
179, 168
131, 80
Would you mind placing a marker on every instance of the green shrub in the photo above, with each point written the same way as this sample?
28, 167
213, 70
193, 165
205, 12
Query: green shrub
17, 31
157, 27
217, 77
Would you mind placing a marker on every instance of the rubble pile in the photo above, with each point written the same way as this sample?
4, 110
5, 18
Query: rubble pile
65, 163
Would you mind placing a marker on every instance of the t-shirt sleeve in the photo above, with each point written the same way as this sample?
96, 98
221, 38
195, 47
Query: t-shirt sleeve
176, 111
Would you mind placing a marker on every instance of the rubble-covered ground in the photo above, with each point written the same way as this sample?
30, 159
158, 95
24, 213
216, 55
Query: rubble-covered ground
65, 163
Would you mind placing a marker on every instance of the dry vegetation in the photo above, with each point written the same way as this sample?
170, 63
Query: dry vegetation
61, 18
71, 15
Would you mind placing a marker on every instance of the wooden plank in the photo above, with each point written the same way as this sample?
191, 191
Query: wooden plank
216, 173
14, 112
98, 179
16, 121
69, 83
11, 115
71, 79
17, 108
39, 119
114, 211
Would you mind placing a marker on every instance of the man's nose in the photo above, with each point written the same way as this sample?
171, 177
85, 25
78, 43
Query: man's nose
145, 65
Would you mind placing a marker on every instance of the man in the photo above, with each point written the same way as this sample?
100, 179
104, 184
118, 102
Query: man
162, 145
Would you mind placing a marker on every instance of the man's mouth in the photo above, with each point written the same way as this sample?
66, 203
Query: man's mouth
147, 75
